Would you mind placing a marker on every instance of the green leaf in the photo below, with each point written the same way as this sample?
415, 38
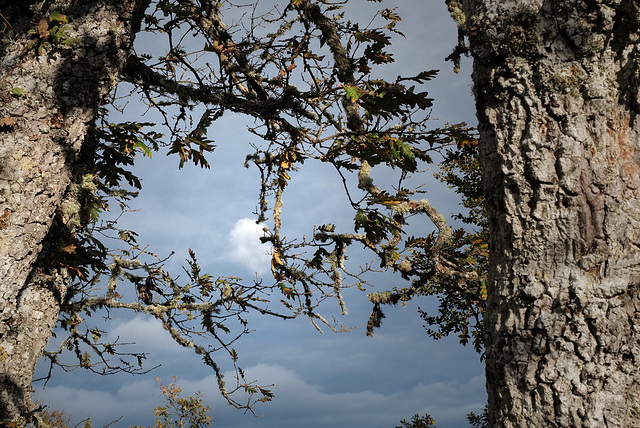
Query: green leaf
143, 147
352, 93
18, 92
58, 17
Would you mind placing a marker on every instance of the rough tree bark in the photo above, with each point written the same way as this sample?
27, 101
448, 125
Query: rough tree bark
556, 85
56, 99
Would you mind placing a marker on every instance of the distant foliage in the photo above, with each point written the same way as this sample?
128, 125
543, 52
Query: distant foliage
59, 419
45, 417
479, 421
179, 412
418, 421
426, 421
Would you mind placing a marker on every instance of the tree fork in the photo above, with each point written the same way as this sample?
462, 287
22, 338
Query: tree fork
556, 86
56, 90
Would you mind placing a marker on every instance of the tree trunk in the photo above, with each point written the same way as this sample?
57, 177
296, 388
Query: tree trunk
56, 94
556, 86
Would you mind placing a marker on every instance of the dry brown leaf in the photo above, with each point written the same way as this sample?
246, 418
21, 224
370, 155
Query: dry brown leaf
43, 28
7, 121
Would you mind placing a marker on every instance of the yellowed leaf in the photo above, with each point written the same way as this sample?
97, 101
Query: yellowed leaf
276, 259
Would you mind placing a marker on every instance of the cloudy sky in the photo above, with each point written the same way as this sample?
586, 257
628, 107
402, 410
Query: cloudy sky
320, 380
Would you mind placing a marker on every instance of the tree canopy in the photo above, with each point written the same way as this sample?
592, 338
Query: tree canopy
308, 77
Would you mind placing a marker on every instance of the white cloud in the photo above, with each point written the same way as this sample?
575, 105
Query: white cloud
246, 248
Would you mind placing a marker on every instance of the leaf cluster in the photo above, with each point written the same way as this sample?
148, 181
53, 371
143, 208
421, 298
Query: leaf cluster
181, 411
51, 31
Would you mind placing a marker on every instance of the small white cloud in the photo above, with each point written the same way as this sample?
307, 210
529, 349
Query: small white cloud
246, 248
